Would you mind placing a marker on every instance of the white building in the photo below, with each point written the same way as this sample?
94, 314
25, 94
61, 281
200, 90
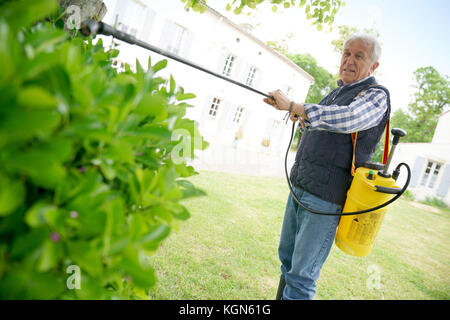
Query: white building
429, 162
245, 134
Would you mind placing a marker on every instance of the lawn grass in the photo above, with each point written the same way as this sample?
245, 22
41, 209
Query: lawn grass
228, 249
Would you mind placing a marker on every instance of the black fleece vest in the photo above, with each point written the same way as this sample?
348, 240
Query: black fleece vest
323, 160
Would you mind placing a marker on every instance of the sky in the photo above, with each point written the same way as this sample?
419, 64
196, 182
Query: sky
413, 34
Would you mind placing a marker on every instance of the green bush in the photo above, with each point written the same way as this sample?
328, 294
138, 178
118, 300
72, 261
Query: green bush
408, 195
435, 202
86, 175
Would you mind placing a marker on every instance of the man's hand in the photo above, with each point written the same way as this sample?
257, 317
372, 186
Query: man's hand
279, 101
294, 117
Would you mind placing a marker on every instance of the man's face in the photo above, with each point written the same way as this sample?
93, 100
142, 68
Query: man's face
355, 62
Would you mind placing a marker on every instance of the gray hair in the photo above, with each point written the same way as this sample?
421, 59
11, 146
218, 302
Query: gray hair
369, 40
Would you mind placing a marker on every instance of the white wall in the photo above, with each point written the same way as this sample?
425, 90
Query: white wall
416, 155
442, 132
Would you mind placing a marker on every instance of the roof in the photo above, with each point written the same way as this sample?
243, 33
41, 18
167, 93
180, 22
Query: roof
262, 43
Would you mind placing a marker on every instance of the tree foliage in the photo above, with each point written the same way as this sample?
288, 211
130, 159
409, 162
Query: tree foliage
345, 31
320, 12
87, 177
431, 98
323, 80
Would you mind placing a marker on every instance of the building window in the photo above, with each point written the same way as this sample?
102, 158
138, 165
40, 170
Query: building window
214, 108
118, 65
251, 75
176, 44
431, 174
131, 16
238, 115
123, 27
133, 32
229, 62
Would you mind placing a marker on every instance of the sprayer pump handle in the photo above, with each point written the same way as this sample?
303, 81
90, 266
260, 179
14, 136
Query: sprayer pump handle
398, 133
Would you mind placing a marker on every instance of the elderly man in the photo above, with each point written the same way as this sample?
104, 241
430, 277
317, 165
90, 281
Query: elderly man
321, 174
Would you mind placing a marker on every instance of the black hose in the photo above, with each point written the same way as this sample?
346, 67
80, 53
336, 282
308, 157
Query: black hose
346, 213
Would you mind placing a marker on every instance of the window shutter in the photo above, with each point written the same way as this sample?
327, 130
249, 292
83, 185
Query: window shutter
167, 34
120, 10
257, 79
189, 38
244, 76
232, 111
223, 114
445, 183
148, 24
221, 64
239, 63
246, 119
417, 170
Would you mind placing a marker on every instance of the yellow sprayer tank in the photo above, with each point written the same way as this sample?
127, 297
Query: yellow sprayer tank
356, 233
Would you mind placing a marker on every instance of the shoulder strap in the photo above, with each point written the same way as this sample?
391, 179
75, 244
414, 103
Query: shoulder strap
386, 132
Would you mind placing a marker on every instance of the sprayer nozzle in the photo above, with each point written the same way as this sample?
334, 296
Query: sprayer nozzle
396, 173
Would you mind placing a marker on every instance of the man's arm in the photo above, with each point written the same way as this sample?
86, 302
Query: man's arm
365, 112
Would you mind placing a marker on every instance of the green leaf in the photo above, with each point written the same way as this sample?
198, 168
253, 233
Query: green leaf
36, 97
39, 213
44, 286
185, 96
155, 235
115, 220
159, 65
43, 169
28, 242
9, 54
61, 149
158, 132
121, 151
108, 170
26, 12
82, 94
135, 226
141, 277
12, 194
90, 287
182, 213
172, 85
85, 256
45, 38
152, 105
50, 256
18, 123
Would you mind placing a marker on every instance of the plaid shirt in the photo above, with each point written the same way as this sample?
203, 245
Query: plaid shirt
365, 112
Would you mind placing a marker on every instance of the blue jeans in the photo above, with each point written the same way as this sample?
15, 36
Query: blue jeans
306, 240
